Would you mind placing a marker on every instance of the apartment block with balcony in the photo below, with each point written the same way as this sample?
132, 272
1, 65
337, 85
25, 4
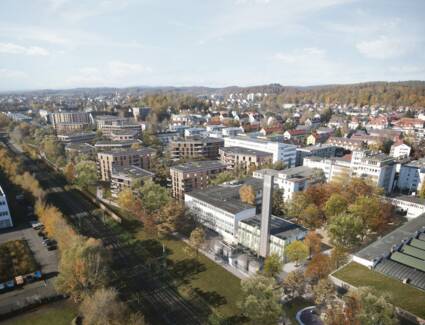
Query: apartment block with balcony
193, 175
244, 158
5, 217
128, 177
109, 160
195, 148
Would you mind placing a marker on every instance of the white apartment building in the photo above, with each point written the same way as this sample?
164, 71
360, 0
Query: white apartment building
399, 150
331, 167
5, 217
292, 180
377, 167
412, 176
281, 151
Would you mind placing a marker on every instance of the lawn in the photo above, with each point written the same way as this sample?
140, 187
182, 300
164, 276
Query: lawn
404, 296
16, 259
59, 313
203, 278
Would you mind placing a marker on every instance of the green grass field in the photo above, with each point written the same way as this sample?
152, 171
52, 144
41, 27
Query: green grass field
403, 296
16, 259
59, 313
219, 289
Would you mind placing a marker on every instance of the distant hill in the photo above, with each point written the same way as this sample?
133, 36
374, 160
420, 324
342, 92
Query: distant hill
404, 93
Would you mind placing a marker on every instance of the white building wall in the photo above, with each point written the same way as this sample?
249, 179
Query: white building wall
5, 217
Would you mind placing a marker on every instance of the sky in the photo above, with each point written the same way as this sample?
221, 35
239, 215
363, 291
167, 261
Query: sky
94, 43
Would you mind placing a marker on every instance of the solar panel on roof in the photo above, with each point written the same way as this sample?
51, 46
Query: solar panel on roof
414, 251
418, 243
408, 260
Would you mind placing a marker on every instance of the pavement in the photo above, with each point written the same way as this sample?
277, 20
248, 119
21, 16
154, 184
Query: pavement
32, 292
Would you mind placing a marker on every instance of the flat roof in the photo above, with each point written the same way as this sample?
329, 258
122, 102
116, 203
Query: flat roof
383, 246
279, 227
408, 198
226, 196
131, 171
245, 151
200, 165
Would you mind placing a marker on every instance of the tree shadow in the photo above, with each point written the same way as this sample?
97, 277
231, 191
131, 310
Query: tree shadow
185, 269
211, 297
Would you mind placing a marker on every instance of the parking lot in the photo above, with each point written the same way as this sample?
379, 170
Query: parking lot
48, 261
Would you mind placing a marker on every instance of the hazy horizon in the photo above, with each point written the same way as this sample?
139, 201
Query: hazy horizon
63, 44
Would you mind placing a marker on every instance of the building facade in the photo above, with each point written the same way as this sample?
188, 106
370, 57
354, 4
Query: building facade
193, 175
243, 158
281, 151
109, 160
5, 217
195, 148
128, 177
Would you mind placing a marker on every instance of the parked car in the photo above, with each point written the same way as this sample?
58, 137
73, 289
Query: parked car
52, 248
38, 275
2, 287
29, 278
20, 196
36, 225
10, 284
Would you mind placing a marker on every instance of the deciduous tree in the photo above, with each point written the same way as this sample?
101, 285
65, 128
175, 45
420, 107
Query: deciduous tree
272, 265
346, 230
247, 194
296, 251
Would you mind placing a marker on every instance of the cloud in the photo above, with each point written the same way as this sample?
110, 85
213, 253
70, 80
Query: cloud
382, 48
12, 74
11, 48
114, 73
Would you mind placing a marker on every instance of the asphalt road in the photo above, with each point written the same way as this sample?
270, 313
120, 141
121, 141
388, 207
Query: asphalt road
165, 304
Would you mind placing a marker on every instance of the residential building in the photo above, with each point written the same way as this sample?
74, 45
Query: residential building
79, 137
191, 132
244, 158
298, 135
377, 167
379, 122
78, 118
79, 149
281, 151
128, 177
321, 150
124, 134
193, 175
220, 209
19, 117
109, 160
108, 124
412, 175
346, 143
292, 180
195, 147
108, 145
400, 150
5, 217
333, 168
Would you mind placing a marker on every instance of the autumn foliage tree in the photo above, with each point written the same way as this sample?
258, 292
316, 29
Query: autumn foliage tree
319, 267
247, 194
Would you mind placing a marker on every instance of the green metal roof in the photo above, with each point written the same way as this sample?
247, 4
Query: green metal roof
408, 260
414, 251
418, 243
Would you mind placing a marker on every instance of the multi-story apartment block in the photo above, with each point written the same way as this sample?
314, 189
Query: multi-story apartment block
107, 124
281, 151
193, 175
5, 217
400, 150
71, 121
195, 147
292, 180
109, 160
346, 143
377, 167
412, 176
128, 177
244, 158
321, 150
124, 134
108, 145
333, 168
